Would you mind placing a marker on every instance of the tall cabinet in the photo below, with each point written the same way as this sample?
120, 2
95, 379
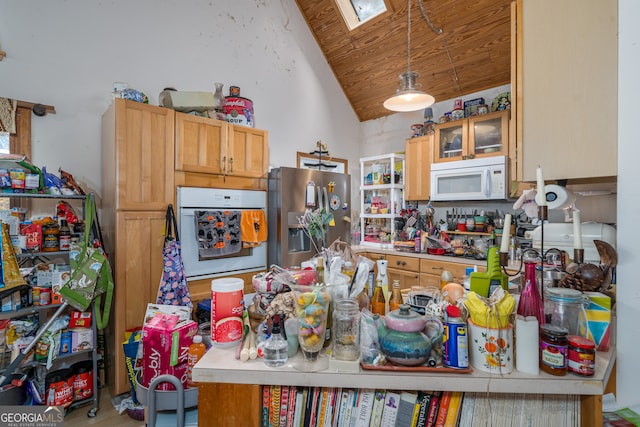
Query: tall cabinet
148, 151
138, 184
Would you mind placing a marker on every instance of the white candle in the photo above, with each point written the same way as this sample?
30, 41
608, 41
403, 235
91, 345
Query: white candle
541, 195
577, 230
506, 234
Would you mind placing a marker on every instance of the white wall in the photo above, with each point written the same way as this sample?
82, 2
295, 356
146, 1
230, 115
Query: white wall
68, 53
628, 374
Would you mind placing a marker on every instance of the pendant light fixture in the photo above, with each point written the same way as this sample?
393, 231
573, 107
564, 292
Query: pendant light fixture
408, 97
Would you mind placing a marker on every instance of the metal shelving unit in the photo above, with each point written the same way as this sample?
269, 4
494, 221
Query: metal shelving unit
42, 310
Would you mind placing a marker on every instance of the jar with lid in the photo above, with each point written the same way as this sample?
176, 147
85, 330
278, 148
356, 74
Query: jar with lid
566, 308
553, 349
582, 356
50, 237
65, 235
346, 330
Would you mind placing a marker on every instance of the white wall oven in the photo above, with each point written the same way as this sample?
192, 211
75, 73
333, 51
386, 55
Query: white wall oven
209, 220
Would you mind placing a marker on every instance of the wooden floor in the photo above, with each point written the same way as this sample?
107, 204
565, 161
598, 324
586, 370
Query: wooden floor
107, 416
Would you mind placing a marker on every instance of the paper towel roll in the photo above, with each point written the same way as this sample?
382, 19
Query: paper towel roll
527, 345
558, 197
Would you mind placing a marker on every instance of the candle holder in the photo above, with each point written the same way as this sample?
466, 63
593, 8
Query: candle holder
578, 256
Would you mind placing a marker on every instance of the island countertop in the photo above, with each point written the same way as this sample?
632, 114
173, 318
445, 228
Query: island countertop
220, 366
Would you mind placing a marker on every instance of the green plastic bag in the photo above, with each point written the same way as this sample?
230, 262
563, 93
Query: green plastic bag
90, 273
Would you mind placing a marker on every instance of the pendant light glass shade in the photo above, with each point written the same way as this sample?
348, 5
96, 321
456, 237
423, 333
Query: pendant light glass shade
408, 97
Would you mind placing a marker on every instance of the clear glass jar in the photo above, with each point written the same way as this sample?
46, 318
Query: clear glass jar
566, 308
346, 330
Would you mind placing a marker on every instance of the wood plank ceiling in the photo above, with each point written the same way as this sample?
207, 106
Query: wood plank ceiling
369, 60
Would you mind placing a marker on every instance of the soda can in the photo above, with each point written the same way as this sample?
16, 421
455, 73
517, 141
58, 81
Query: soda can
455, 340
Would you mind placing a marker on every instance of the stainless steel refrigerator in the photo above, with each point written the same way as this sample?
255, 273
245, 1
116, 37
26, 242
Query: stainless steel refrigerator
291, 192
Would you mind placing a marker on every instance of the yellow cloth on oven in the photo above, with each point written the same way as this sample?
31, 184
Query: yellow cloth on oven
253, 228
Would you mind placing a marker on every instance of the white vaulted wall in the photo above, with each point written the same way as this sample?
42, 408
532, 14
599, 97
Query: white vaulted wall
68, 54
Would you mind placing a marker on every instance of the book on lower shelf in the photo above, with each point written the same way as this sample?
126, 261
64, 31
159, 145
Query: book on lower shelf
406, 407
390, 410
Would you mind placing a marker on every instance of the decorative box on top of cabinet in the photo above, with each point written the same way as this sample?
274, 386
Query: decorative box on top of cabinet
210, 146
477, 136
381, 197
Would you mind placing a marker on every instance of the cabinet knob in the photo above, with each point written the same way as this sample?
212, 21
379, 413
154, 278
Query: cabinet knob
231, 164
224, 164
404, 263
397, 262
437, 268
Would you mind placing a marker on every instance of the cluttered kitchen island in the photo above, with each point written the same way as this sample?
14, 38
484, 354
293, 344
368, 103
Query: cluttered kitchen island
230, 391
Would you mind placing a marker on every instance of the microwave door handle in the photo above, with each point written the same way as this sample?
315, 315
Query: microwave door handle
487, 180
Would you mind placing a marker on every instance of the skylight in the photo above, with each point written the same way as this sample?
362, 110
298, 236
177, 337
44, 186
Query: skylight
357, 12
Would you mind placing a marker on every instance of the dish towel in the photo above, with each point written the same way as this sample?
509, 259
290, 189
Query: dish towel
253, 228
217, 233
8, 115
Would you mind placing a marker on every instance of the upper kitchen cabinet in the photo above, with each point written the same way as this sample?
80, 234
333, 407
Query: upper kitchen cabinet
566, 86
211, 146
247, 152
477, 136
137, 156
418, 158
200, 144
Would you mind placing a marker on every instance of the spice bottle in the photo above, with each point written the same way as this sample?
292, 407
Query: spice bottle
197, 349
65, 235
396, 296
378, 302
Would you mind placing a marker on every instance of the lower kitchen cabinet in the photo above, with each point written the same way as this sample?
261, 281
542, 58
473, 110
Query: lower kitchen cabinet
404, 269
135, 240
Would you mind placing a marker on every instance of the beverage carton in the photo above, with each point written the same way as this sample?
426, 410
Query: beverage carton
165, 348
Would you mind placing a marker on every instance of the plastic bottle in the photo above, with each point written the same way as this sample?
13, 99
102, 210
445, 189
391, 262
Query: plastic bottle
378, 302
276, 349
396, 296
65, 235
197, 349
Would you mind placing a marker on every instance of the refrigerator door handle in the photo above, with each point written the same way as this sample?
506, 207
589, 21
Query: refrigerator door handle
326, 199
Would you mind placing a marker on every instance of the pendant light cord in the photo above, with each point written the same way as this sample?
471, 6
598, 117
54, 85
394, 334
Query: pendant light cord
439, 32
408, 36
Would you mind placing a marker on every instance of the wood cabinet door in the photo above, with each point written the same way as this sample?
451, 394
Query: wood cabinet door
201, 144
429, 280
137, 264
558, 122
407, 278
247, 152
139, 155
404, 263
418, 159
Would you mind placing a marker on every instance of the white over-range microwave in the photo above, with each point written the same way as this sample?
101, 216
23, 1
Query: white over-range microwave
484, 178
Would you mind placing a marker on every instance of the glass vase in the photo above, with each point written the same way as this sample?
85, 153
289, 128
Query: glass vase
312, 307
530, 303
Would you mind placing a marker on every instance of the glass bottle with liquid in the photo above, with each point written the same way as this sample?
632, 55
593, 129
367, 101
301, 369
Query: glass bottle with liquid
378, 301
396, 296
